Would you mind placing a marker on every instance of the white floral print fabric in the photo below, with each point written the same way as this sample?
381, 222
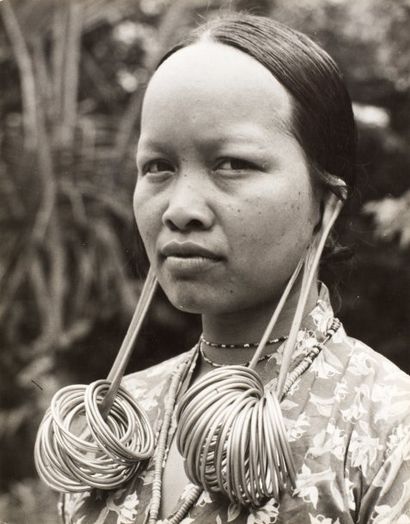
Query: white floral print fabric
348, 424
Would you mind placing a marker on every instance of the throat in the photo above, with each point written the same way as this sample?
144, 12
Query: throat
247, 326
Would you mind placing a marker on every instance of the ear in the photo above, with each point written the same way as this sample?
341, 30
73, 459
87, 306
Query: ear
331, 207
329, 201
331, 192
321, 196
321, 211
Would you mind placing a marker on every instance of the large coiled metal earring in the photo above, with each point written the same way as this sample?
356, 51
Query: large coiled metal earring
231, 432
115, 435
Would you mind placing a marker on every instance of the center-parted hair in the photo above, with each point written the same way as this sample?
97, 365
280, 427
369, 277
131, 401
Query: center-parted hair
322, 118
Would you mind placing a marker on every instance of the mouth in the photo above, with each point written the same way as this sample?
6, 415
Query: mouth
188, 250
186, 259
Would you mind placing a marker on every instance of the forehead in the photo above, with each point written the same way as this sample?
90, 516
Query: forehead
216, 85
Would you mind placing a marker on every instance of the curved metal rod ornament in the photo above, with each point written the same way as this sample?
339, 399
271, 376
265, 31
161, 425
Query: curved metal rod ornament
231, 432
115, 436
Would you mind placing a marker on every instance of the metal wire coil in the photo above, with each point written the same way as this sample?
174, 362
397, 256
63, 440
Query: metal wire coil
230, 431
106, 454
232, 436
117, 435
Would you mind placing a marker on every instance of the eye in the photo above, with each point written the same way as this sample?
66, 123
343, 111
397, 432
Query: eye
157, 167
235, 164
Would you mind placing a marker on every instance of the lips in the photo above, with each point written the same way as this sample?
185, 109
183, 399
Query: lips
188, 250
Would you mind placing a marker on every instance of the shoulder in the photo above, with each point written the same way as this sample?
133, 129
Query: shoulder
361, 395
373, 397
373, 369
380, 386
379, 443
347, 358
367, 378
350, 425
345, 355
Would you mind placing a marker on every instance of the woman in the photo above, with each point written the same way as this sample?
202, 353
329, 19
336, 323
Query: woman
246, 133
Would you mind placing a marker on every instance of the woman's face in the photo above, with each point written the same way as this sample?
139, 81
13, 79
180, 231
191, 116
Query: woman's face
224, 201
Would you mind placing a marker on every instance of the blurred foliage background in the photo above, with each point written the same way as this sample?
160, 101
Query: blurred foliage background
72, 78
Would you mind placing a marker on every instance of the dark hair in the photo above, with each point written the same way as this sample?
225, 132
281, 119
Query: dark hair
322, 119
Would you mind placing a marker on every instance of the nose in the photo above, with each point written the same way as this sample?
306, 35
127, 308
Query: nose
188, 207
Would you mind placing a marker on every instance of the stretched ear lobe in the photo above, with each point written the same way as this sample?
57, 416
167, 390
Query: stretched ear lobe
331, 207
318, 224
332, 199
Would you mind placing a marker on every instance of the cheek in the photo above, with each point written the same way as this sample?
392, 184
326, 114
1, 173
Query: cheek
298, 222
275, 227
301, 211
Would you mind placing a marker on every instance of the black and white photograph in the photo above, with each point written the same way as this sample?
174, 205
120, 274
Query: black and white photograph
204, 262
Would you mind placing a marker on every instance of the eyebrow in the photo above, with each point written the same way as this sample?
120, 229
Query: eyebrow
241, 135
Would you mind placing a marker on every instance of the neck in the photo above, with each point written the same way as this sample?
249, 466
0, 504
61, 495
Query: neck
248, 325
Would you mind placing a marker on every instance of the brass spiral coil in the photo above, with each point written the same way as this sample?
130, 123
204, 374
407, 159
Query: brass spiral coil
96, 436
231, 433
106, 454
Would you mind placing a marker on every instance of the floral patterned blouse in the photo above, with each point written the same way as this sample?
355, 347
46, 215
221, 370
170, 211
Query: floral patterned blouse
348, 424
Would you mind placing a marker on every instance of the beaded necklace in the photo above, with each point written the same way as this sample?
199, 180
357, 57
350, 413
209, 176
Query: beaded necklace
161, 456
247, 345
231, 346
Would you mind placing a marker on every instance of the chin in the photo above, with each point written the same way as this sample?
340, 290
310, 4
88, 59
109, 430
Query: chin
185, 296
192, 298
188, 304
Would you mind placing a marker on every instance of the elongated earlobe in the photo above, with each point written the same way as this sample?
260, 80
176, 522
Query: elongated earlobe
333, 206
334, 187
117, 436
318, 224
